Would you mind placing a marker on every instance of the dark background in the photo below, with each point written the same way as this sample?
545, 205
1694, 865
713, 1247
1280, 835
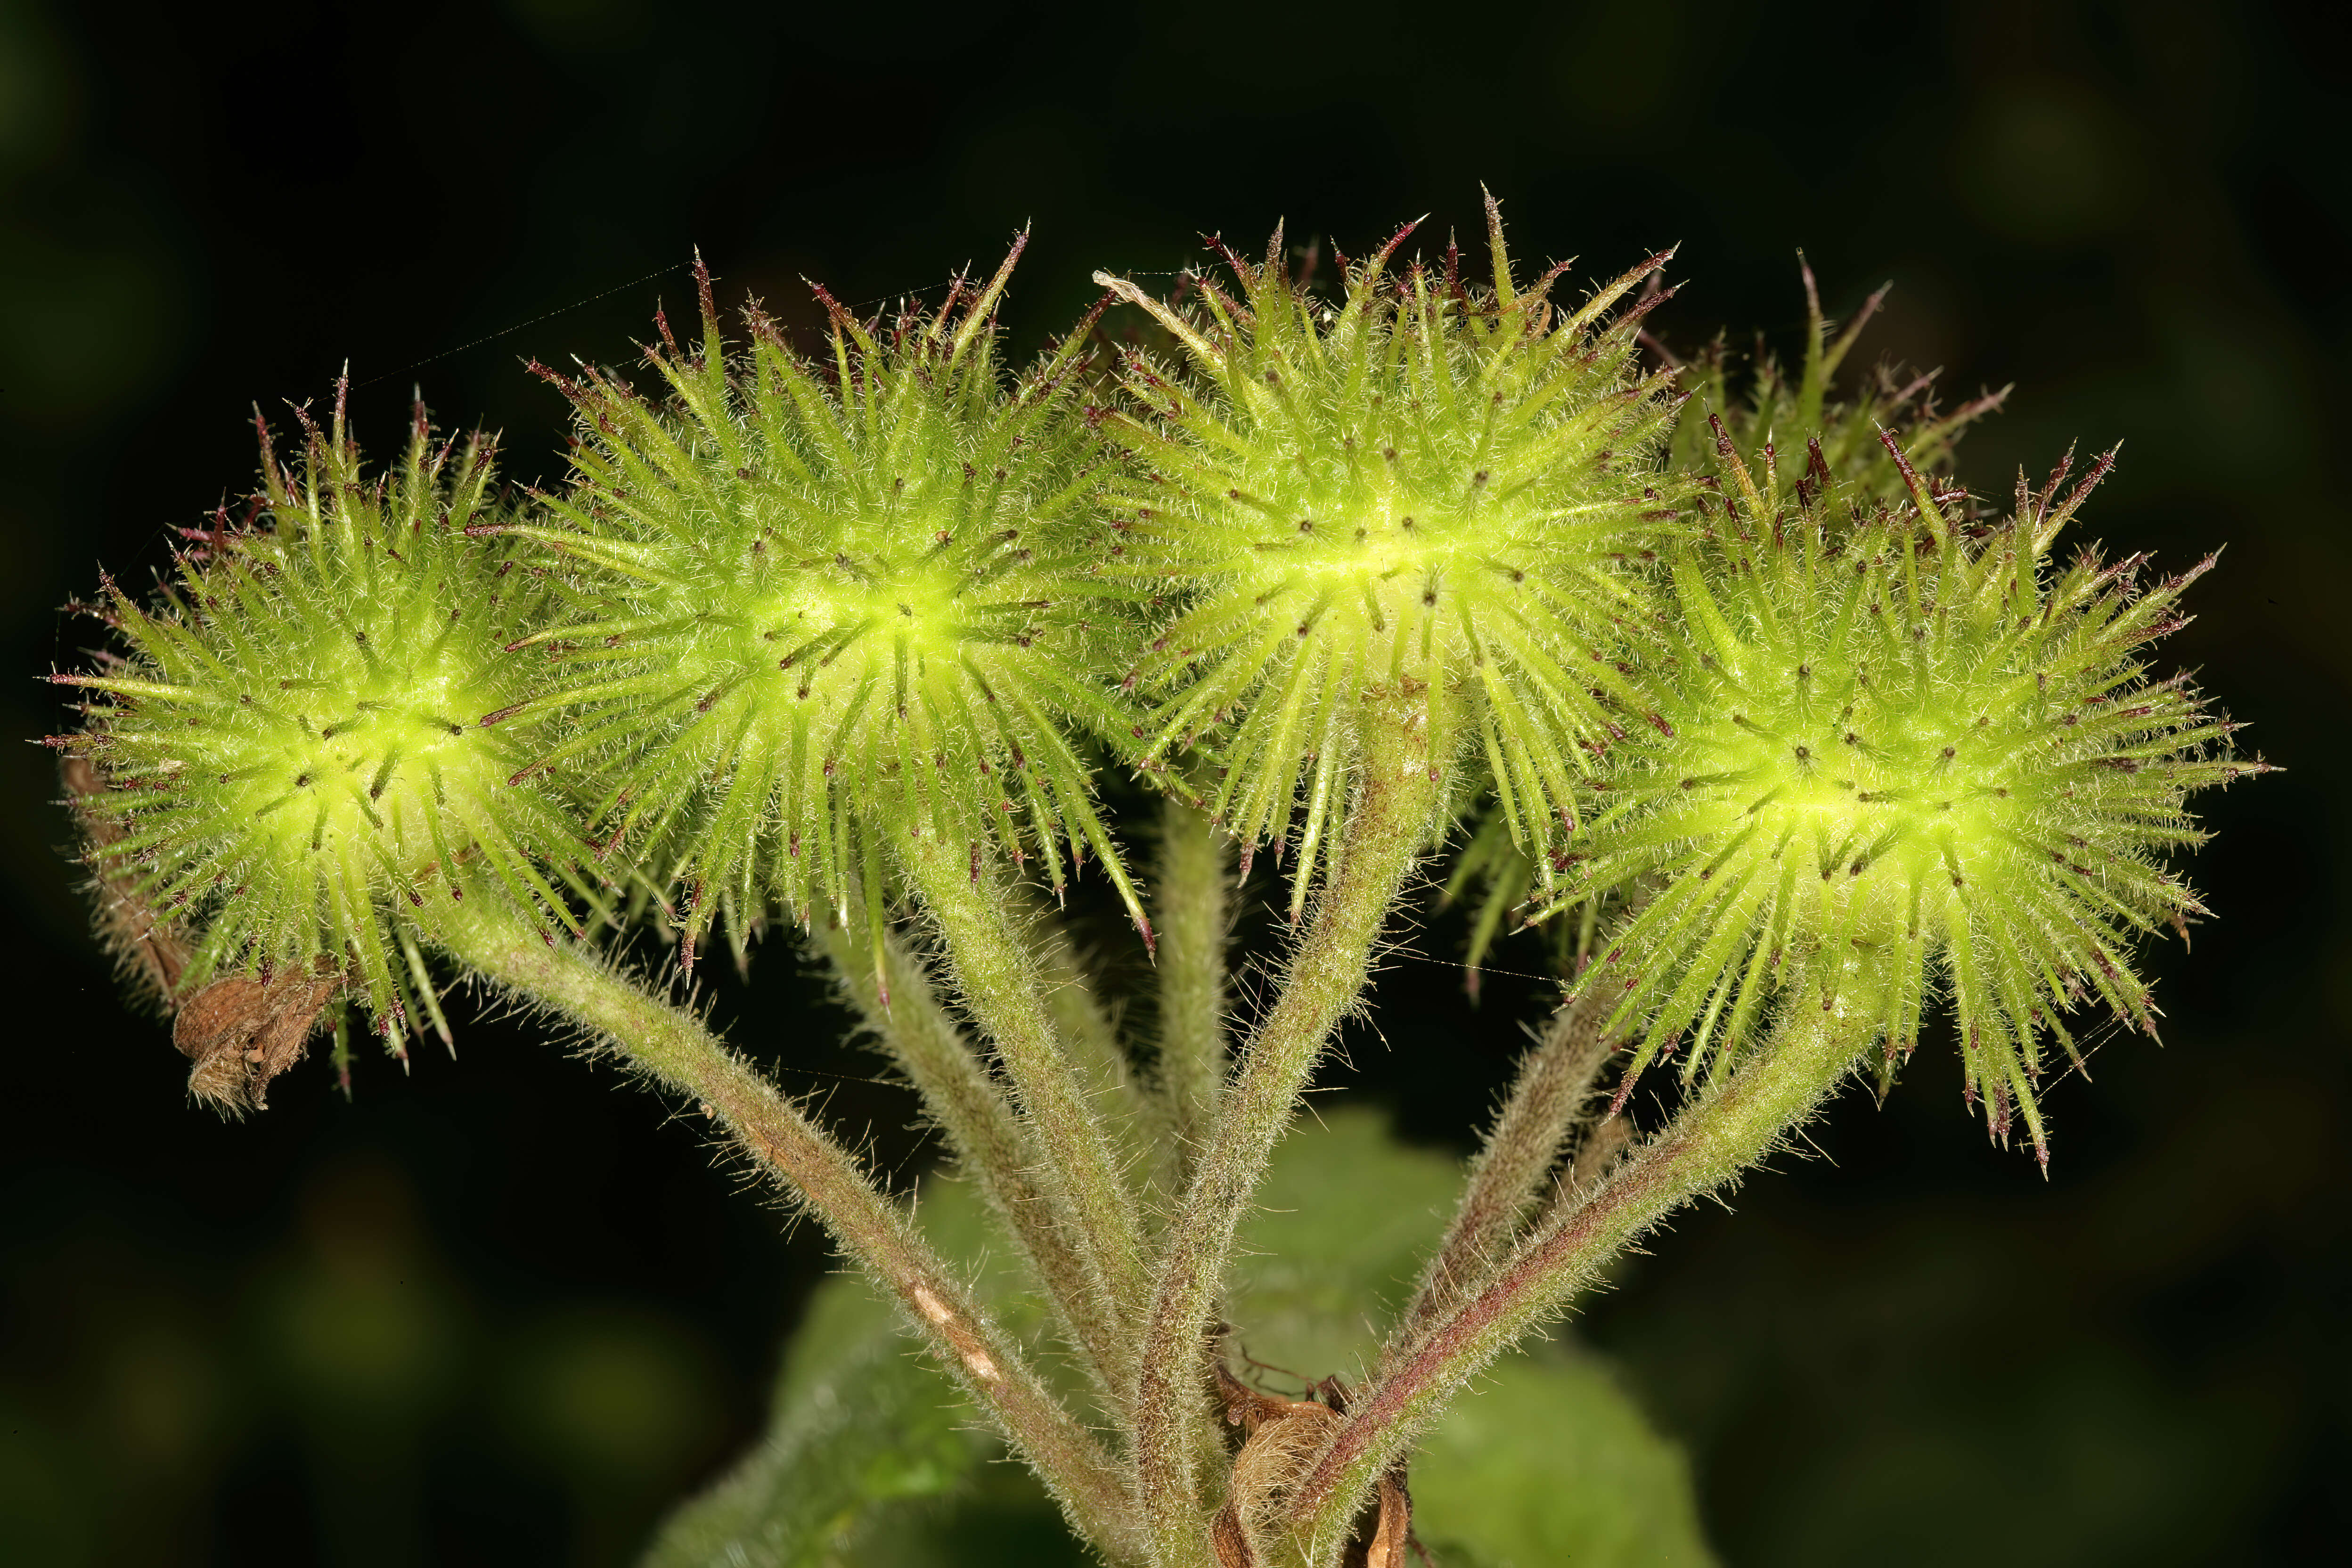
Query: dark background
503, 1309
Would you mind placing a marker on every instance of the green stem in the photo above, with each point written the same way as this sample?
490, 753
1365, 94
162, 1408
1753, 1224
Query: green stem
1554, 1088
1192, 895
674, 1048
1088, 1034
1079, 1173
1728, 1129
979, 1125
1387, 827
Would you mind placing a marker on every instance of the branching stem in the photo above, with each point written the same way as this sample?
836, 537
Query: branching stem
1729, 1129
1388, 828
998, 976
674, 1048
979, 1125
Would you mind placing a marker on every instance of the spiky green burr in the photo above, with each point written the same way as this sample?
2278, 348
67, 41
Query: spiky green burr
1428, 486
1829, 438
296, 771
1898, 763
813, 608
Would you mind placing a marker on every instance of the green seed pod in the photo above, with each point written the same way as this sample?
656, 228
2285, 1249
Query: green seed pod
821, 605
1896, 762
1719, 423
292, 766
1430, 488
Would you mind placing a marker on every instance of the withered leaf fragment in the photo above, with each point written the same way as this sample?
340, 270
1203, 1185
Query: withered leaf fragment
1284, 1436
241, 1032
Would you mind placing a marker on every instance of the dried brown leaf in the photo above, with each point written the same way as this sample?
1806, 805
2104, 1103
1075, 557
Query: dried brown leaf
242, 1032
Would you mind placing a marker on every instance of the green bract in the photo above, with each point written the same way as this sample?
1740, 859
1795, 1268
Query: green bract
1896, 762
820, 604
1426, 486
1772, 414
291, 744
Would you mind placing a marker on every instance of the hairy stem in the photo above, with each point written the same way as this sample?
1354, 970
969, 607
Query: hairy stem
1555, 1086
980, 1126
1079, 1174
672, 1046
1387, 829
1089, 1035
1729, 1129
1192, 896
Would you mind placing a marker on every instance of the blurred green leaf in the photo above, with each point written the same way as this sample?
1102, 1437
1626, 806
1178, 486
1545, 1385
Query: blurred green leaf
871, 1427
865, 1433
1547, 1462
873, 1459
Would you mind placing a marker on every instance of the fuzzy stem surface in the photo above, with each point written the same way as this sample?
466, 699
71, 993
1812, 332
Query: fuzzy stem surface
1388, 827
979, 1125
1089, 1034
1553, 1089
673, 1047
1732, 1127
1192, 896
1080, 1175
